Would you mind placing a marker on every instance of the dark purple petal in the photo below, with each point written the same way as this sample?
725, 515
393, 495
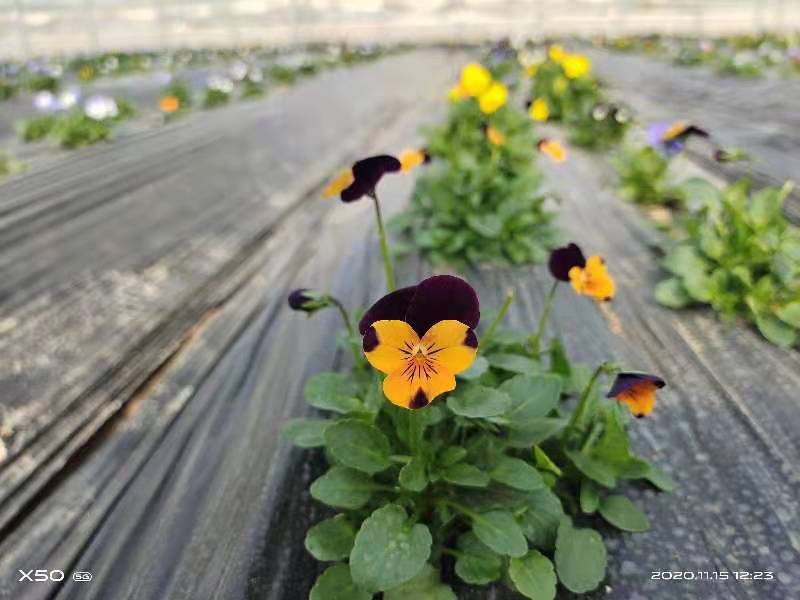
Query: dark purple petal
298, 298
471, 339
420, 400
626, 381
370, 340
441, 298
426, 156
563, 259
392, 307
366, 175
695, 130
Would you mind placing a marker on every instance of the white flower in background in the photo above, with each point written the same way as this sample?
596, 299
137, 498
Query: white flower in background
221, 84
256, 75
238, 70
69, 98
111, 63
101, 108
45, 102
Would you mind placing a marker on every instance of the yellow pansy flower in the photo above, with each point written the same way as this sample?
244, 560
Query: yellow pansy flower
559, 86
576, 65
475, 79
592, 280
556, 53
495, 137
532, 69
539, 111
493, 98
457, 93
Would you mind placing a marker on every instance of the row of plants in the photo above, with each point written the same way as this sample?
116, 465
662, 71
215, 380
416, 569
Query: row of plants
461, 454
56, 73
743, 55
72, 122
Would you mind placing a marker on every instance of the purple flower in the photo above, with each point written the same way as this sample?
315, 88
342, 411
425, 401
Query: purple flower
655, 138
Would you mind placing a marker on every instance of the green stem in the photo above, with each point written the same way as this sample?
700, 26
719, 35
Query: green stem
461, 508
486, 338
583, 404
594, 433
415, 432
536, 338
387, 262
357, 357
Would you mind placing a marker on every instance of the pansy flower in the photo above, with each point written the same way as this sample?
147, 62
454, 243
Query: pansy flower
495, 136
359, 181
556, 53
538, 110
575, 65
475, 79
457, 93
588, 276
421, 337
669, 139
413, 158
305, 300
637, 391
494, 98
169, 104
553, 149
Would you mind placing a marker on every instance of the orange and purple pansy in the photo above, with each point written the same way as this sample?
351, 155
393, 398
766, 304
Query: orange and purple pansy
588, 276
552, 148
413, 158
361, 180
421, 337
637, 391
670, 138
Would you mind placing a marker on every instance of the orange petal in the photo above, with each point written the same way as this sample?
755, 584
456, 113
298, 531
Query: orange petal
414, 387
338, 184
640, 399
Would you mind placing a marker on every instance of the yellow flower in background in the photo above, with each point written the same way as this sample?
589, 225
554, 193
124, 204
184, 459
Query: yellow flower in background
553, 149
475, 79
495, 137
85, 73
493, 98
532, 69
559, 86
539, 111
576, 65
457, 93
556, 53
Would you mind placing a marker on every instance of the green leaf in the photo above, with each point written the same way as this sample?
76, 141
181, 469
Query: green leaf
701, 193
478, 368
544, 462
514, 363
425, 585
489, 226
498, 530
451, 455
684, 260
776, 331
533, 576
337, 584
518, 474
466, 475
359, 445
699, 286
478, 401
332, 391
534, 431
343, 488
660, 479
389, 550
532, 397
623, 514
331, 539
672, 293
580, 557
790, 313
598, 471
589, 496
413, 476
477, 563
306, 433
540, 522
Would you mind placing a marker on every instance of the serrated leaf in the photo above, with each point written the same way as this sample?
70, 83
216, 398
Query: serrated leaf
331, 539
623, 514
425, 585
342, 487
413, 476
359, 445
518, 474
533, 576
332, 391
306, 433
500, 532
466, 475
336, 583
596, 470
477, 563
580, 557
388, 550
477, 401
